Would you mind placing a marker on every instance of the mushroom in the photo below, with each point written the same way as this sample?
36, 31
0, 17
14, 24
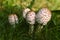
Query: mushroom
25, 12
43, 17
30, 18
13, 19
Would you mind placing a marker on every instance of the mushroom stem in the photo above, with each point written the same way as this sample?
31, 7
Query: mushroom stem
46, 30
39, 28
31, 29
14, 26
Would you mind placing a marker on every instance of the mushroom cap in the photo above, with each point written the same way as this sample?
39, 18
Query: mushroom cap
30, 17
13, 19
43, 16
25, 12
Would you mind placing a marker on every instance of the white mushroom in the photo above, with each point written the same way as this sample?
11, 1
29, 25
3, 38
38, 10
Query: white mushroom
30, 18
43, 17
13, 19
25, 12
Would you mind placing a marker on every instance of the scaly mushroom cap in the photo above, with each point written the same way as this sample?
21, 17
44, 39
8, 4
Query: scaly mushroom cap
43, 16
25, 12
30, 17
13, 19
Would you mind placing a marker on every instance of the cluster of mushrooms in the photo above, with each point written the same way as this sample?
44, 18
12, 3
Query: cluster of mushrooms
42, 17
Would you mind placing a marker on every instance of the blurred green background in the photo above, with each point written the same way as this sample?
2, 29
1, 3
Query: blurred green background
50, 32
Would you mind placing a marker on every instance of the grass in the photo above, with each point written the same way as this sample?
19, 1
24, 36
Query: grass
50, 32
